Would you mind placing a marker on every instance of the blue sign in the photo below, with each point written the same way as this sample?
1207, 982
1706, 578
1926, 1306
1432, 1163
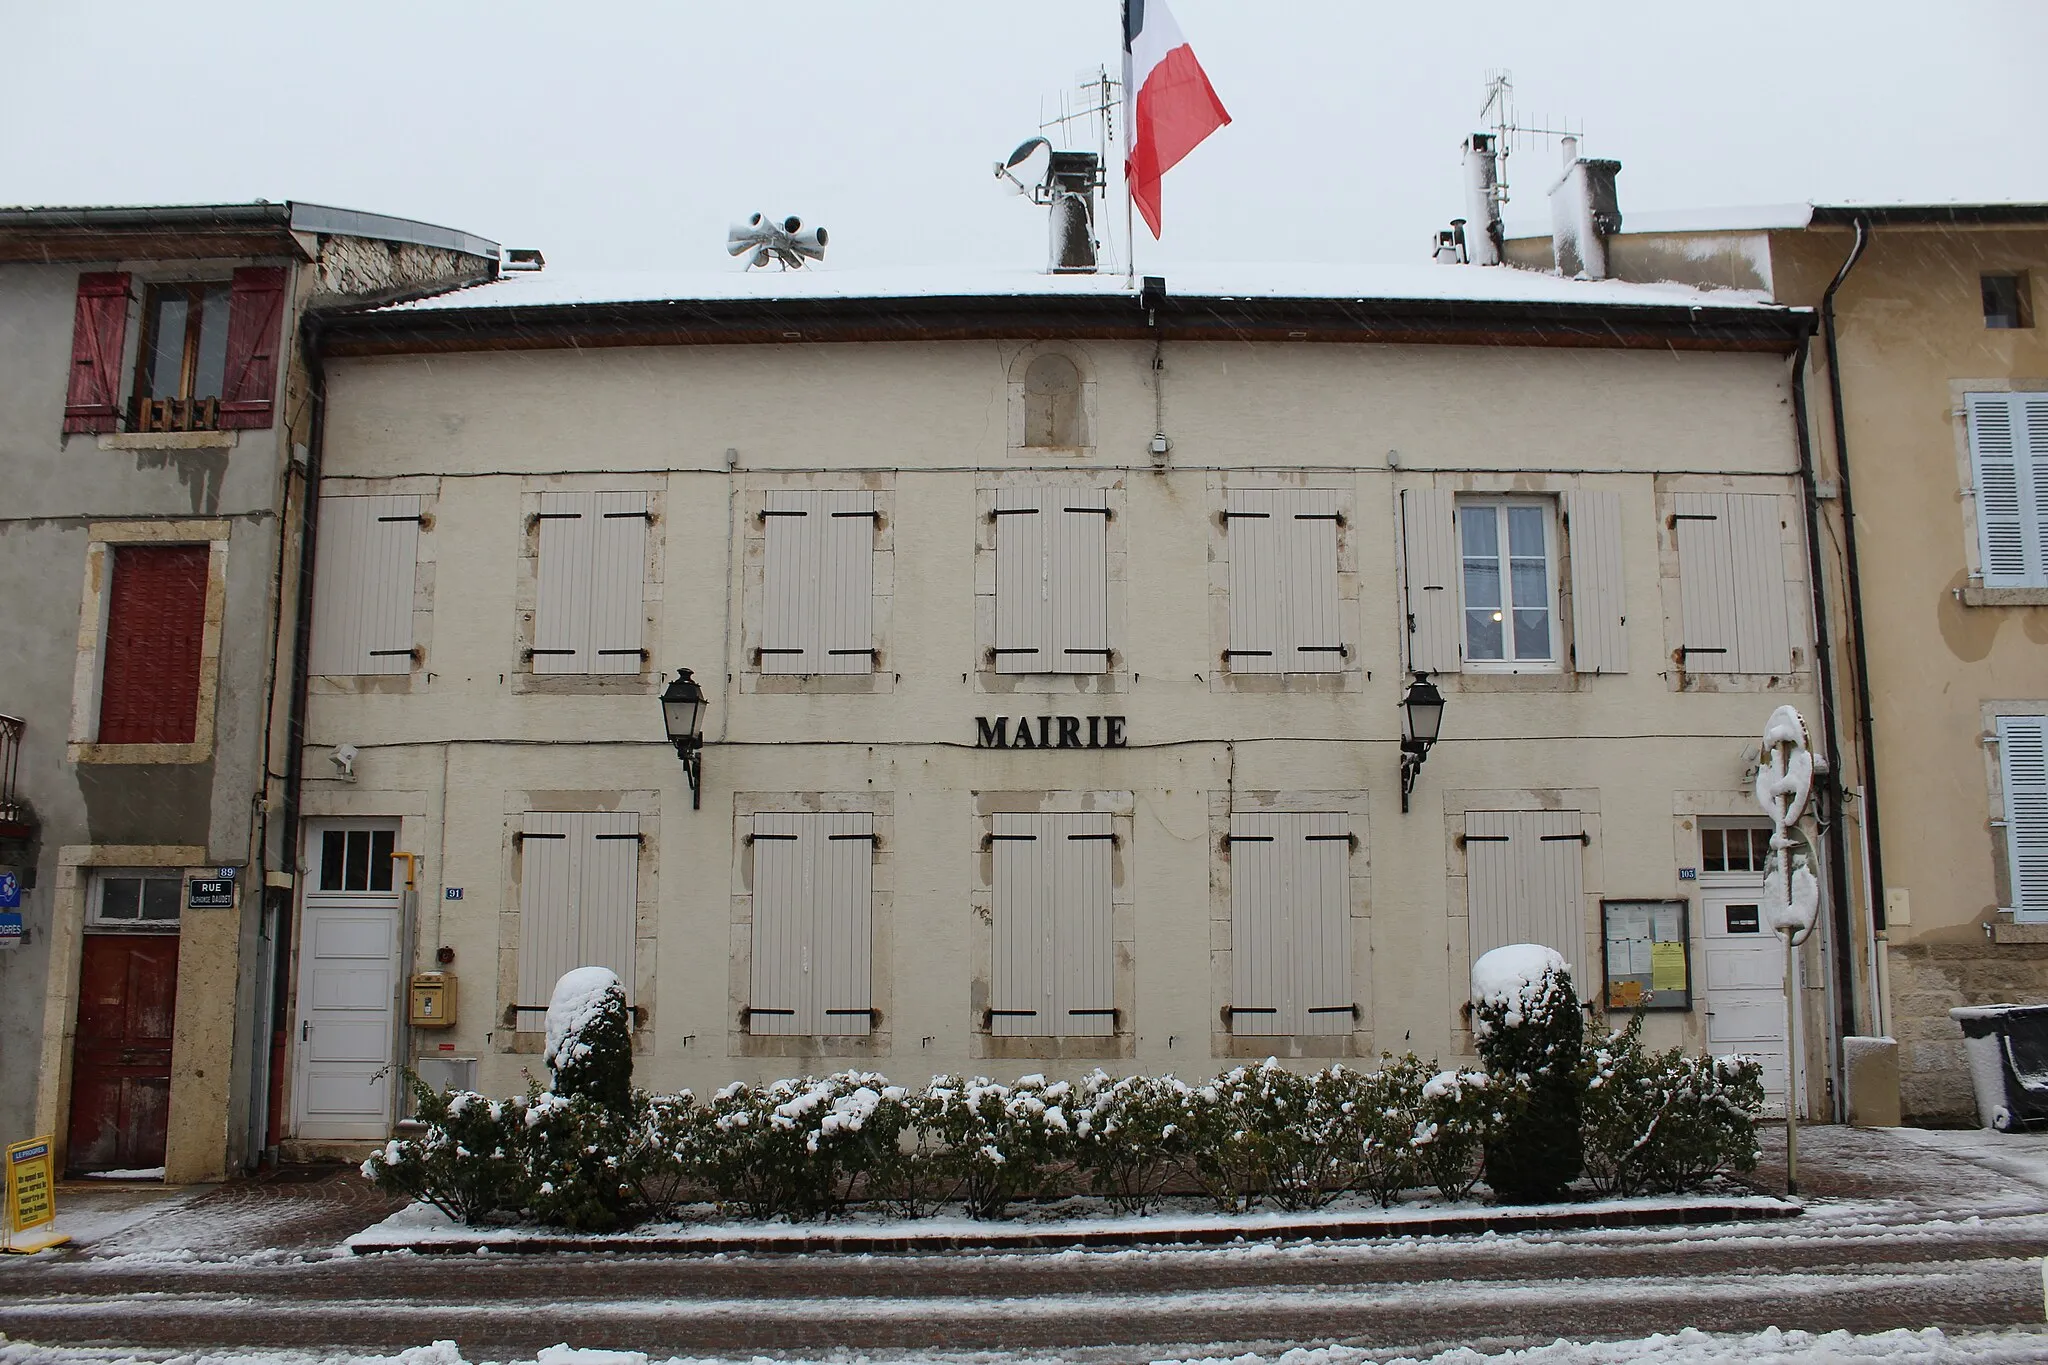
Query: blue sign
10, 929
226, 874
10, 891
1688, 874
453, 893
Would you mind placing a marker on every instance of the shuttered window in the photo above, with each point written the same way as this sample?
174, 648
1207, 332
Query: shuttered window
593, 549
1507, 560
363, 584
99, 332
1731, 569
578, 898
1290, 943
2023, 762
1429, 540
150, 665
1599, 589
1284, 615
1523, 882
255, 333
1052, 936
1052, 580
818, 582
813, 894
2009, 460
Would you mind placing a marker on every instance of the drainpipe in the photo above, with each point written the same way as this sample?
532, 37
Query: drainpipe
1865, 731
1824, 664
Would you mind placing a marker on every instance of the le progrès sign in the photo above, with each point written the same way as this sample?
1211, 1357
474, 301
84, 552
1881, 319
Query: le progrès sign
31, 1195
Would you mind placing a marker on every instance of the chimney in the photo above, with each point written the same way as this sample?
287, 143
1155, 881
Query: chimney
1484, 243
1584, 213
1070, 182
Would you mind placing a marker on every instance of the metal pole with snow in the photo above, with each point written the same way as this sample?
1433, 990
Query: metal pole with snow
1784, 781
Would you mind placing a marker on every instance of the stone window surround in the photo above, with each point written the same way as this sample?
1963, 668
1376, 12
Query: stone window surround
526, 590
103, 537
750, 490
427, 488
1121, 806
1457, 904
512, 1031
1115, 678
1358, 1042
1019, 364
1798, 600
1351, 677
881, 805
1973, 593
75, 866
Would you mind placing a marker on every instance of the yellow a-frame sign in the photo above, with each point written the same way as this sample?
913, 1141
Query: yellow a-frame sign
31, 1198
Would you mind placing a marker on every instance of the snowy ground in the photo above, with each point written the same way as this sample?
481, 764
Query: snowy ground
1939, 1234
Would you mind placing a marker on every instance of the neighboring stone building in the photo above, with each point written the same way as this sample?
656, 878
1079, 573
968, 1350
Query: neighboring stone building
1055, 640
153, 410
1938, 589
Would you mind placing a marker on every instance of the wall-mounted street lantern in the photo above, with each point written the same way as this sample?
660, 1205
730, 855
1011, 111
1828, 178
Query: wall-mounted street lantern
1422, 717
682, 711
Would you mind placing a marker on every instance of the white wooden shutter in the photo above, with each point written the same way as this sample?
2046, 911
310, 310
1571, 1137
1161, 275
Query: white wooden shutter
1706, 583
363, 584
1599, 588
1429, 538
818, 582
1052, 954
618, 568
578, 898
1763, 635
1523, 882
1290, 923
1284, 614
1077, 579
561, 623
1314, 624
812, 970
2009, 462
608, 891
2023, 763
1023, 582
1731, 567
1258, 632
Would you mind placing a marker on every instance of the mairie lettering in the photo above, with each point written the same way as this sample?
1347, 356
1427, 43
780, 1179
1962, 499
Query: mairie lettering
1050, 732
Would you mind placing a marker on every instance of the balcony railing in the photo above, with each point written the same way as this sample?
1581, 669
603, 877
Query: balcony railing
173, 414
14, 818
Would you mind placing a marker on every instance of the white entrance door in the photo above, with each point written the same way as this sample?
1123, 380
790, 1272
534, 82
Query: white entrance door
1745, 982
348, 984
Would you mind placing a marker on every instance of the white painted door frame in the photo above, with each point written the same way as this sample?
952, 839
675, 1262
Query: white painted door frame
346, 1002
1746, 977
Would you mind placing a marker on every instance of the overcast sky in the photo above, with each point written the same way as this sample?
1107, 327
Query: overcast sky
627, 136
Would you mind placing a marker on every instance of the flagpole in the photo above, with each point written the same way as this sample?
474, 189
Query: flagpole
1130, 120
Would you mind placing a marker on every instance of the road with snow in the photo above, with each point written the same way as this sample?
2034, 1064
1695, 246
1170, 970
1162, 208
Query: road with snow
1924, 1232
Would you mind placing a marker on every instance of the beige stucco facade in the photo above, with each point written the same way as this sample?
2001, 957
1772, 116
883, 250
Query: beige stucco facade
472, 738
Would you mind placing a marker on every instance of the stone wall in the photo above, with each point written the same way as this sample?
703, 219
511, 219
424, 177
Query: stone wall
1928, 980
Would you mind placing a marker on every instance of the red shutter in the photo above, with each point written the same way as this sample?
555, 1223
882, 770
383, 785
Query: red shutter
255, 327
92, 400
156, 614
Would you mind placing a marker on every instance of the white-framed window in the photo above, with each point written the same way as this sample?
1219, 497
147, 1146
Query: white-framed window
1285, 614
1508, 582
2009, 466
137, 898
357, 859
811, 971
1054, 966
818, 582
1734, 846
1052, 580
2023, 768
1290, 937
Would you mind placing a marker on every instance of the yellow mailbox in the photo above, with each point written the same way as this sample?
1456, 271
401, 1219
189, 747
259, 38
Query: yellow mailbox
433, 1001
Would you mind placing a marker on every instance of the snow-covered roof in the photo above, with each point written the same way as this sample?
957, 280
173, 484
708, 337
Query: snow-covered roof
1421, 282
1793, 217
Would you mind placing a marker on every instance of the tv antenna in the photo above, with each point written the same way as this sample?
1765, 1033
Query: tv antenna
1508, 125
1091, 103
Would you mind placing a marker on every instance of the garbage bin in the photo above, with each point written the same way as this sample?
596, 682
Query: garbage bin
2008, 1050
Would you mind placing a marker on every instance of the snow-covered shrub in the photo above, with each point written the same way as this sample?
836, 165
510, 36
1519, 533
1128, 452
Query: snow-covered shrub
590, 1038
1456, 1114
466, 1161
1384, 1112
582, 1160
1530, 1035
1239, 1132
1663, 1122
1000, 1143
1130, 1134
668, 1129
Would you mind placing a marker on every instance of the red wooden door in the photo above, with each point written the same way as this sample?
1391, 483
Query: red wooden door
121, 1058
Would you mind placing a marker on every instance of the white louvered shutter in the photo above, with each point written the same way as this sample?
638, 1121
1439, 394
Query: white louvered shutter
561, 623
818, 582
778, 988
1523, 882
1429, 538
608, 891
1052, 954
2009, 461
843, 910
549, 935
618, 568
363, 584
2023, 763
1599, 588
1290, 923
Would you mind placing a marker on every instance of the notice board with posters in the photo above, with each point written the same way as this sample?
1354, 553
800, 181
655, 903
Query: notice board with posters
1646, 954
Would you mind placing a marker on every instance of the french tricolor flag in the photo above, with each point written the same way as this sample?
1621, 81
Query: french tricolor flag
1168, 103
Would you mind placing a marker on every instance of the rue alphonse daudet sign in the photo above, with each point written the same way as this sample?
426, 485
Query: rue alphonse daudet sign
1050, 732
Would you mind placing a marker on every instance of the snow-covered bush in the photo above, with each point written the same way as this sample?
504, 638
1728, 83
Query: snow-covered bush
590, 1038
1130, 1134
466, 1161
1000, 1143
1239, 1124
1530, 1035
1456, 1112
1663, 1122
582, 1160
1366, 1120
669, 1135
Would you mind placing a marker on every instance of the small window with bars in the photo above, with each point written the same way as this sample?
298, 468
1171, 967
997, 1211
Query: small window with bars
357, 859
1734, 848
137, 899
